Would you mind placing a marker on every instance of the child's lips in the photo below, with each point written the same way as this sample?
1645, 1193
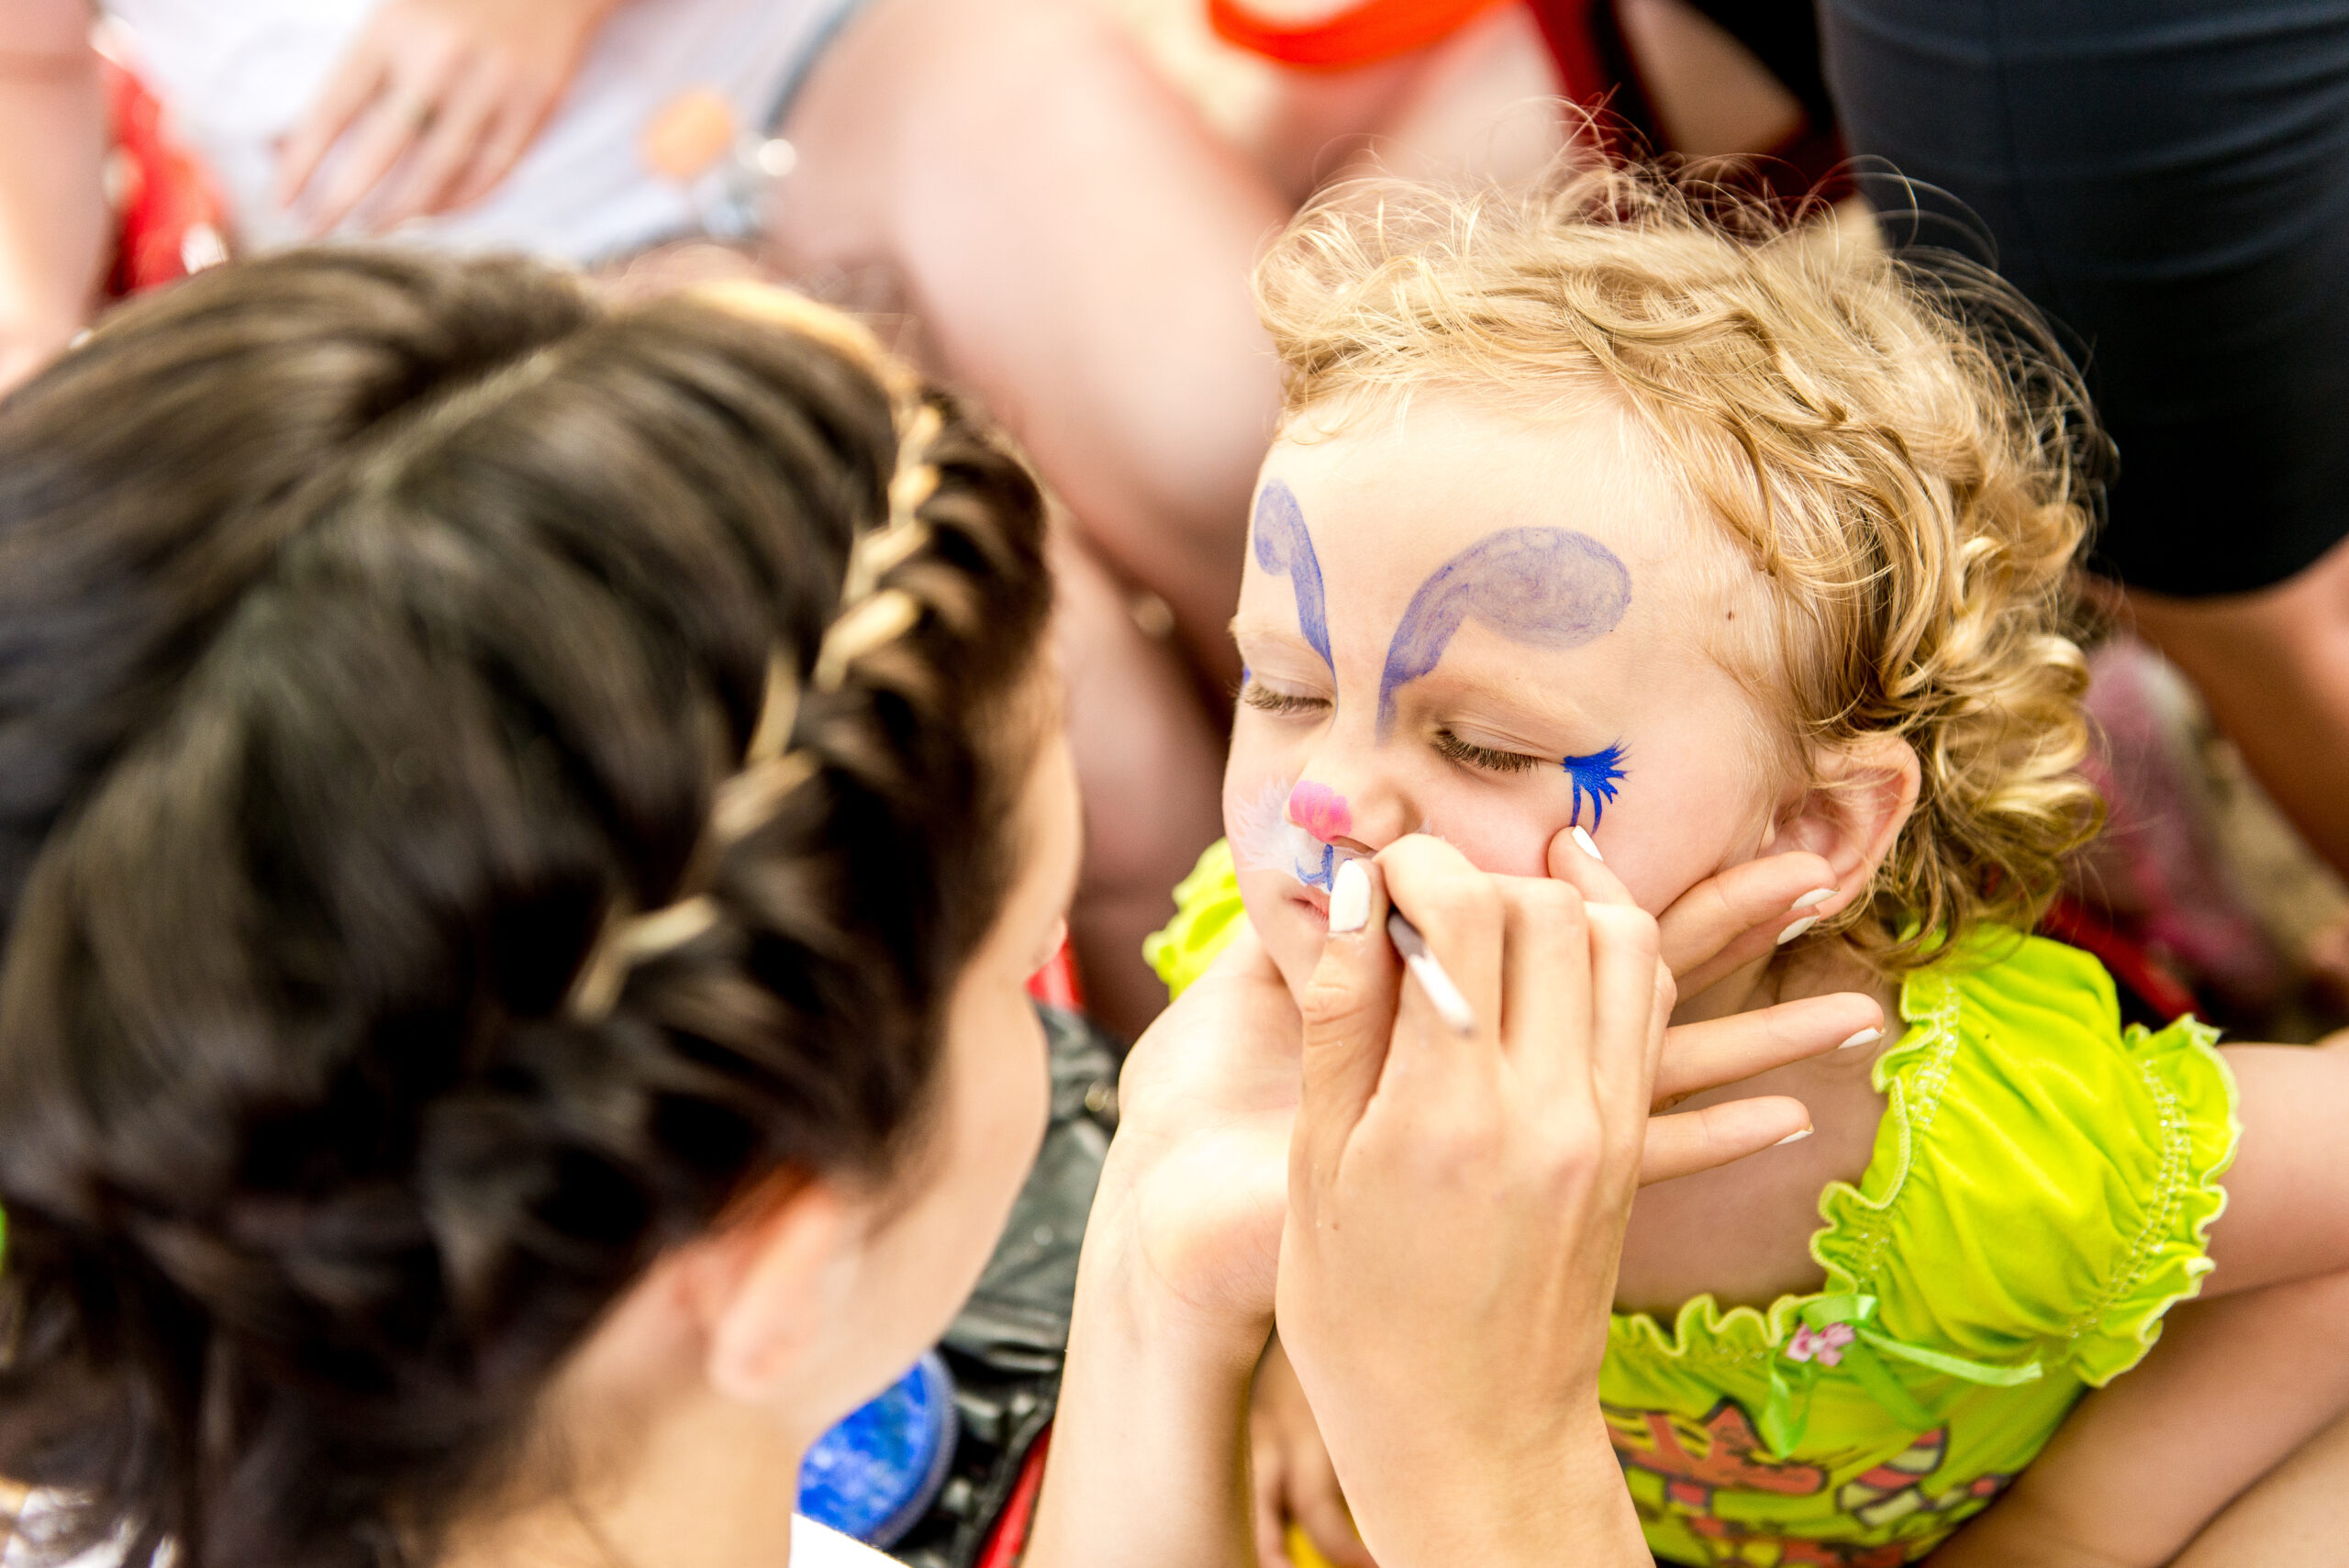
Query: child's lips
1314, 899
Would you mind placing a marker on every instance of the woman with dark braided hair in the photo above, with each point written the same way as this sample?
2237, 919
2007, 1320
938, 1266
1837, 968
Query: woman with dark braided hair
523, 825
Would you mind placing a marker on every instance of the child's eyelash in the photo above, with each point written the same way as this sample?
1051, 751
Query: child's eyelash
1468, 753
1597, 776
1266, 700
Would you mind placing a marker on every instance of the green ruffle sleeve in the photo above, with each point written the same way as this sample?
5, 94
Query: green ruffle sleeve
2040, 1194
1206, 912
2044, 1183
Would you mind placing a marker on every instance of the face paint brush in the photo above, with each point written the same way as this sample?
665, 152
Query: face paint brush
1441, 993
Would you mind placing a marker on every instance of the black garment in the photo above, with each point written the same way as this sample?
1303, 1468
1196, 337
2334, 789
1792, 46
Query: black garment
1596, 69
1783, 36
2169, 180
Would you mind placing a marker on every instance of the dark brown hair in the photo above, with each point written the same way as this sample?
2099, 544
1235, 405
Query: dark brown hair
375, 632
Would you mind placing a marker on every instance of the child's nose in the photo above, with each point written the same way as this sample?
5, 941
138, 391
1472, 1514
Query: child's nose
1356, 820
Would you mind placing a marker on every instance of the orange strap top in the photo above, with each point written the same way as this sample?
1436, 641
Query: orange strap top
1360, 34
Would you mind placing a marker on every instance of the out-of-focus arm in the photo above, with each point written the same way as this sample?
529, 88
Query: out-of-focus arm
54, 214
1174, 1294
1148, 1462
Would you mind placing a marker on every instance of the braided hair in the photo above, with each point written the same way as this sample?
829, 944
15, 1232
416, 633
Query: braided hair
485, 778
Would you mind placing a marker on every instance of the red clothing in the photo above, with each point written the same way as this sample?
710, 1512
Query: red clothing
1363, 34
1595, 69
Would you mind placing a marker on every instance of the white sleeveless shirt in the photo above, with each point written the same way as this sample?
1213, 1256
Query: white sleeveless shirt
237, 75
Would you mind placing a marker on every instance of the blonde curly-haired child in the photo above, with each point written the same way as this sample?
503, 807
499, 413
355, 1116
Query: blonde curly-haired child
1600, 526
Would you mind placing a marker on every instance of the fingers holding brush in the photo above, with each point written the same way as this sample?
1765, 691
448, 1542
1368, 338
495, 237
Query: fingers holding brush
1456, 1195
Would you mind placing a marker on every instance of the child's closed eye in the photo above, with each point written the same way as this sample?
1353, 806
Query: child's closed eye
1490, 759
1270, 699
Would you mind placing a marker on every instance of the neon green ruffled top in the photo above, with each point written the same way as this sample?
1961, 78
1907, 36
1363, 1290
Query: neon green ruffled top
2041, 1193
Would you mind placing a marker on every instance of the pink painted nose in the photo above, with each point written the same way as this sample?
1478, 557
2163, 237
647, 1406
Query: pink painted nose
1321, 811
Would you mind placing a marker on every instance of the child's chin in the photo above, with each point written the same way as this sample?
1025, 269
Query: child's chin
1291, 919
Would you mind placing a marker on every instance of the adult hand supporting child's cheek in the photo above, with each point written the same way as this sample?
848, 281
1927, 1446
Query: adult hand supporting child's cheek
1456, 1210
1728, 919
1196, 1171
1732, 918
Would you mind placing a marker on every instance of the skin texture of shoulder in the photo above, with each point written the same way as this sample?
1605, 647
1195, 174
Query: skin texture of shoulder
1743, 1233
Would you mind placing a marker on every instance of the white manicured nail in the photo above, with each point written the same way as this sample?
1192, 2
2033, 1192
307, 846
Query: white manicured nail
1584, 843
1865, 1037
1350, 899
1792, 1137
1797, 929
1813, 899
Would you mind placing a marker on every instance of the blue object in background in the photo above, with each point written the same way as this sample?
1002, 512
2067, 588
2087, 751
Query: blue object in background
876, 1473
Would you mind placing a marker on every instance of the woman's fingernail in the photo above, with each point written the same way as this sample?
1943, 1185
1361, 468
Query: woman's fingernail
1584, 843
1350, 899
1797, 928
1813, 899
1865, 1037
1792, 1137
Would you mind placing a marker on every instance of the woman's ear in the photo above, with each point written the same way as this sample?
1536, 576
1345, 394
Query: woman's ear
1860, 797
770, 1288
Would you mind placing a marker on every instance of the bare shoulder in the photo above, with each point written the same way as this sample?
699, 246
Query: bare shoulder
1742, 1231
2288, 1191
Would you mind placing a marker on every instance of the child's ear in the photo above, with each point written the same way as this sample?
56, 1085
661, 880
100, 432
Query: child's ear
1861, 793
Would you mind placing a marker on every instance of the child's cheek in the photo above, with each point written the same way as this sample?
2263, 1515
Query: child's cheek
1497, 846
1507, 843
1261, 753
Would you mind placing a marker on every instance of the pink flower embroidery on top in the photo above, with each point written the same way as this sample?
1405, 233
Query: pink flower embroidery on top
1826, 1343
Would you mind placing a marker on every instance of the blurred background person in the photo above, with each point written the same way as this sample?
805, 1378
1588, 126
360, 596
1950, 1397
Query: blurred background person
2169, 180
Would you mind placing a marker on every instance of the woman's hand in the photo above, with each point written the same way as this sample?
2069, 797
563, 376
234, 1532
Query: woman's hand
1200, 1170
1721, 923
1457, 1204
1725, 921
1197, 1178
434, 103
1181, 1251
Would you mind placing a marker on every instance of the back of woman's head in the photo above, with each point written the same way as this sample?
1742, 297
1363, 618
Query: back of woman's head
470, 807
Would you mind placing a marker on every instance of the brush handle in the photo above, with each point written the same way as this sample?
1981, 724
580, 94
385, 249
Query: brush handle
1442, 992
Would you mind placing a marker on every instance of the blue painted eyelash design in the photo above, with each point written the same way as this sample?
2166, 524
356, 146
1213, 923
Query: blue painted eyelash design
1596, 777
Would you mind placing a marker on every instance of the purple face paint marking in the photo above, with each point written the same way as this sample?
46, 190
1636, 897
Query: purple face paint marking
1286, 550
1596, 777
1549, 588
